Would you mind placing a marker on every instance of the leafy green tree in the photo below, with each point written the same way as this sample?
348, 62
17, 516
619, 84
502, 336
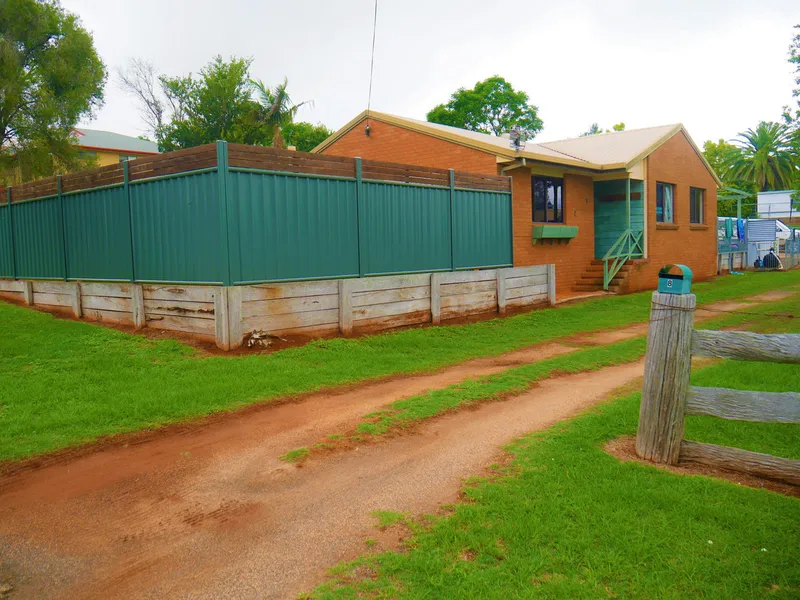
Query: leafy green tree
595, 129
766, 157
720, 155
277, 109
792, 115
215, 106
50, 78
305, 136
492, 106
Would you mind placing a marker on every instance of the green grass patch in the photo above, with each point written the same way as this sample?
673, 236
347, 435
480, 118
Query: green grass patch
574, 522
295, 455
64, 383
387, 518
410, 411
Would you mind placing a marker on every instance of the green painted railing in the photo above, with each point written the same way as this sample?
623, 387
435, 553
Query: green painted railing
628, 245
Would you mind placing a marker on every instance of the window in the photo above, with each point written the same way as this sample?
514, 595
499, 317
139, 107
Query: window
548, 199
696, 201
665, 197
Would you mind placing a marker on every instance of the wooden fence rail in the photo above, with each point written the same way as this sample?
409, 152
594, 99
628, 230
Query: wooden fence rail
667, 396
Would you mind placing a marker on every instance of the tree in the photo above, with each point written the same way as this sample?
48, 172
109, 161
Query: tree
792, 115
305, 136
140, 80
492, 106
50, 78
277, 108
721, 155
595, 129
765, 157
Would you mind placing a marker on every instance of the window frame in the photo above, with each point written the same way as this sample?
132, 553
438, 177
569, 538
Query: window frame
561, 214
660, 186
702, 207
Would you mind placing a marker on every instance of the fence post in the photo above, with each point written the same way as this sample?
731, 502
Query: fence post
63, 227
346, 306
137, 306
222, 326
236, 334
11, 234
436, 298
501, 291
452, 201
127, 191
666, 377
359, 215
551, 284
27, 292
222, 190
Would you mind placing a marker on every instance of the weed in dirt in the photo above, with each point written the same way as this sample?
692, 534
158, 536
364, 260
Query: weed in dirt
66, 382
387, 518
295, 456
575, 522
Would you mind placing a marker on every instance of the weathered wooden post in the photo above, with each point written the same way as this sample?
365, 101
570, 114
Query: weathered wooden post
667, 369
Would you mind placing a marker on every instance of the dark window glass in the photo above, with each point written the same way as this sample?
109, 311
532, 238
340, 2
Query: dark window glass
696, 201
548, 200
665, 197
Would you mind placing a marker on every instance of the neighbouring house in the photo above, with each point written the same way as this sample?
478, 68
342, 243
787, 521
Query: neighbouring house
110, 148
608, 210
778, 204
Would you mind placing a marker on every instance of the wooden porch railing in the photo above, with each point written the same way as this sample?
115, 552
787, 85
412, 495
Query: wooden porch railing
667, 396
629, 245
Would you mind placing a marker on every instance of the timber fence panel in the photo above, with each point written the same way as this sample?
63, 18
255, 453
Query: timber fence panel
735, 459
739, 405
667, 396
740, 345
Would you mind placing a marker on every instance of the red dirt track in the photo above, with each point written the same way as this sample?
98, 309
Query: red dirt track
210, 512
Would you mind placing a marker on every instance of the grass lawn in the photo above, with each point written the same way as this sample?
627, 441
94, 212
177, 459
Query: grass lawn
566, 520
64, 383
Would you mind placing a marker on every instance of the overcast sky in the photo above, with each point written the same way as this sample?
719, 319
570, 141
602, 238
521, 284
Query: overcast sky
717, 67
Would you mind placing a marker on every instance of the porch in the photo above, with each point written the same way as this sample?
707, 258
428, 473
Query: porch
619, 226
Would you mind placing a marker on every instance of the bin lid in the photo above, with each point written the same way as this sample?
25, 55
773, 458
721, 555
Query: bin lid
686, 272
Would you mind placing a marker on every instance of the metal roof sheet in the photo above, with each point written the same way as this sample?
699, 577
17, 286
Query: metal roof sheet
95, 138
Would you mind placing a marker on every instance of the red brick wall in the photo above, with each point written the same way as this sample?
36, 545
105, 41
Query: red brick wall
395, 144
676, 162
570, 259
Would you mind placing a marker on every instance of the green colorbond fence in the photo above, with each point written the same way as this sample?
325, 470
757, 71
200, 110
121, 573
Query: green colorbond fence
238, 225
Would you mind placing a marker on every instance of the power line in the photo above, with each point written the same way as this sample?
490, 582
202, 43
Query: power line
372, 59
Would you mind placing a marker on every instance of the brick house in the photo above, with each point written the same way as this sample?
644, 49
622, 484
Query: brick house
628, 202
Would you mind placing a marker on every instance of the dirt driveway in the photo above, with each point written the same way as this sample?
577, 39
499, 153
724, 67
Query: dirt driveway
211, 512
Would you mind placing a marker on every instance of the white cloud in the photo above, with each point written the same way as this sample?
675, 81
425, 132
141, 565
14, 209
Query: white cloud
718, 67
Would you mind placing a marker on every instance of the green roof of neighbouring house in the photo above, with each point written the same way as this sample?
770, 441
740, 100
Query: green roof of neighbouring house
113, 142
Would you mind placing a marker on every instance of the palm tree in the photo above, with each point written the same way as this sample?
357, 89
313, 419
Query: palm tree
278, 108
765, 157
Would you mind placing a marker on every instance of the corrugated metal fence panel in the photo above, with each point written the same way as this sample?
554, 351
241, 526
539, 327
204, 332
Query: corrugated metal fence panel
177, 230
286, 227
6, 256
761, 230
406, 229
481, 229
37, 239
98, 240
